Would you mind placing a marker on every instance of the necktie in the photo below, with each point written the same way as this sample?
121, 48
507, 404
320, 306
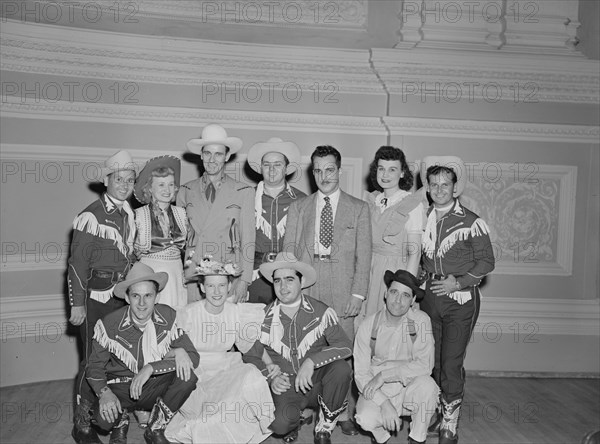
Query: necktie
326, 230
210, 192
163, 220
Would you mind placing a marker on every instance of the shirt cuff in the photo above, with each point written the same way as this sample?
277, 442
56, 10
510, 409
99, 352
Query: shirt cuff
362, 298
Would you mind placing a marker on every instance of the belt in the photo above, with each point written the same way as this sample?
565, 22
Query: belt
265, 257
435, 277
114, 276
322, 257
122, 379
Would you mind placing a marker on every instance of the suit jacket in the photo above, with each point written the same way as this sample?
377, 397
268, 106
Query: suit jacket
224, 228
348, 270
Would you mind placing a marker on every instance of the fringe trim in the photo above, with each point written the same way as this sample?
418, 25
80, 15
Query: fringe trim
87, 223
114, 347
479, 228
277, 346
165, 345
329, 318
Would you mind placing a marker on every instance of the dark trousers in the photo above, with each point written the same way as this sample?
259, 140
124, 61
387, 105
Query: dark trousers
261, 291
452, 326
173, 390
94, 310
331, 381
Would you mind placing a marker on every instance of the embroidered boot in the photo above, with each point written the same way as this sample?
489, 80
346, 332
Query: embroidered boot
118, 435
160, 416
449, 426
327, 421
82, 432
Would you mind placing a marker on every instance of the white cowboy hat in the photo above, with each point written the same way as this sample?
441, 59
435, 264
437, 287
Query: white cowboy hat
140, 273
118, 162
454, 163
156, 162
288, 260
214, 134
274, 145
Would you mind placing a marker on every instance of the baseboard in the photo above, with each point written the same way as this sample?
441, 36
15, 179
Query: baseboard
537, 375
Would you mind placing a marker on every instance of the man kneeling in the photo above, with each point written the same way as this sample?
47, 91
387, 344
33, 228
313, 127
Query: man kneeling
140, 359
302, 336
393, 358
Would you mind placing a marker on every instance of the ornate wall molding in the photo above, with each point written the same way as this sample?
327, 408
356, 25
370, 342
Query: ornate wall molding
71, 52
519, 78
171, 116
44, 317
339, 14
530, 209
477, 129
507, 25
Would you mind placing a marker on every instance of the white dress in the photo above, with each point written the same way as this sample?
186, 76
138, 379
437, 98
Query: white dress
232, 402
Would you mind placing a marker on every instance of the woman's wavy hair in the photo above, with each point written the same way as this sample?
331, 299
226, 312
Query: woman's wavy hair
391, 153
158, 172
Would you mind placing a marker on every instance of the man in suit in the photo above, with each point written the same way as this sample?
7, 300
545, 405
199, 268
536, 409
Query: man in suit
220, 210
331, 230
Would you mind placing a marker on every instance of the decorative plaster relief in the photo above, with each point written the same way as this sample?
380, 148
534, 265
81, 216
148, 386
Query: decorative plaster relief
530, 209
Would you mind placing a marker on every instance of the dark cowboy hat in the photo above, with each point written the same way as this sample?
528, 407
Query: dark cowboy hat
406, 278
139, 273
156, 162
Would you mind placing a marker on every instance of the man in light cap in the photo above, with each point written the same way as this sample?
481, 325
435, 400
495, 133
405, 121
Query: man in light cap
457, 255
101, 255
274, 160
140, 360
220, 210
393, 359
303, 337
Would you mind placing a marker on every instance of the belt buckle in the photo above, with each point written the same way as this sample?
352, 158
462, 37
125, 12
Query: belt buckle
323, 257
103, 274
269, 257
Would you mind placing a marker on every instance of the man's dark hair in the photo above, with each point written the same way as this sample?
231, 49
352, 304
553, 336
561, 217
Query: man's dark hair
297, 274
436, 170
326, 150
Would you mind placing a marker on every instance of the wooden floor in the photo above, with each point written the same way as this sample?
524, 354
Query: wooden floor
496, 410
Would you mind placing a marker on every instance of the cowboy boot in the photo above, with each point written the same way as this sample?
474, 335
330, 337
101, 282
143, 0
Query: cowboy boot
327, 422
82, 432
160, 416
449, 426
118, 434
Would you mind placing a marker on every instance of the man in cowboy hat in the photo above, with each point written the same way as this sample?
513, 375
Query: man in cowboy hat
274, 160
457, 255
302, 335
140, 360
393, 358
101, 254
220, 210
331, 230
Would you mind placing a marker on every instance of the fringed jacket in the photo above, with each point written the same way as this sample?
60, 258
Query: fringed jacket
458, 244
312, 333
117, 346
103, 241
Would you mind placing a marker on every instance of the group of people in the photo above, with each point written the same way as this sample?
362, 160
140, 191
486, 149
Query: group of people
242, 312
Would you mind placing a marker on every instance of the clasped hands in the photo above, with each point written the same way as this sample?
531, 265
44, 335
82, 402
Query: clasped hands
281, 383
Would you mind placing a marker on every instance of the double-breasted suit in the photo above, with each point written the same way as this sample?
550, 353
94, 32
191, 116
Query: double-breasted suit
224, 228
346, 271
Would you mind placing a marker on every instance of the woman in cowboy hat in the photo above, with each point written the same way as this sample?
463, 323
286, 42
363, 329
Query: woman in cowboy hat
162, 227
232, 402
